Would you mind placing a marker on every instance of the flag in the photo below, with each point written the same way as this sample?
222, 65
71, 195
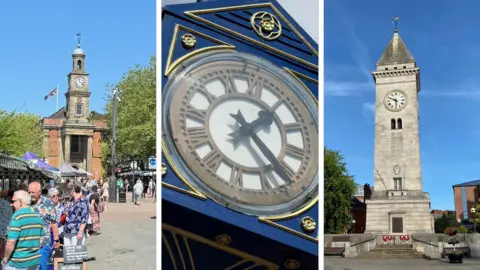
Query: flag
51, 94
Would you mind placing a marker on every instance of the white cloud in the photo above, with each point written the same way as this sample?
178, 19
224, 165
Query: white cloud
368, 111
346, 88
468, 89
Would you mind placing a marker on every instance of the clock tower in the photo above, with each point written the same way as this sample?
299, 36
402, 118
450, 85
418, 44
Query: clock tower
398, 204
78, 96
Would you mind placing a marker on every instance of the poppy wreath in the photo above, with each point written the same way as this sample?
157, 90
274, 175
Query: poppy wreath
385, 238
391, 237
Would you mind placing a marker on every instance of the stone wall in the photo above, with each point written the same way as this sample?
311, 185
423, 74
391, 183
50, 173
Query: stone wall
431, 245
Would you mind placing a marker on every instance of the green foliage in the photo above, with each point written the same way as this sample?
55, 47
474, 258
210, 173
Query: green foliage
19, 133
462, 229
476, 214
136, 114
339, 191
444, 222
93, 116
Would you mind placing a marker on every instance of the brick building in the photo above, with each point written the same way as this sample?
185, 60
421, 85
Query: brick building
465, 195
359, 208
69, 135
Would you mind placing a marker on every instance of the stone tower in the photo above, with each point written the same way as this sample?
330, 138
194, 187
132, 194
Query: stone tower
398, 204
78, 95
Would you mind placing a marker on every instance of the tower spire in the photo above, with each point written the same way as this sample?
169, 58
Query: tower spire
79, 39
395, 21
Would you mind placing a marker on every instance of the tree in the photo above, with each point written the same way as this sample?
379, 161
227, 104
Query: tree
19, 133
444, 222
136, 115
338, 193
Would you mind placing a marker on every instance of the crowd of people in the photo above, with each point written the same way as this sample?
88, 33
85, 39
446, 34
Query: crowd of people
35, 221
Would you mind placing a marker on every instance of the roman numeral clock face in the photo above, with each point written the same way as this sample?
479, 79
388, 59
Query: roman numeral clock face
244, 132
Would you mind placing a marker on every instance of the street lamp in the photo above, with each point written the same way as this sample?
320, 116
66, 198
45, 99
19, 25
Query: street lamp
113, 181
353, 222
473, 211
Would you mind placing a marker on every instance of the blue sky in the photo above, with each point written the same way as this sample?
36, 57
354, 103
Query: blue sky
38, 38
443, 37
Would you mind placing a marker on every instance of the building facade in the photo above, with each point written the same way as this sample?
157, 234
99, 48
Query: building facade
398, 204
465, 196
69, 135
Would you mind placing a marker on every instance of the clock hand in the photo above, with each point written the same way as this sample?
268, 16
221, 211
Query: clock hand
264, 118
263, 148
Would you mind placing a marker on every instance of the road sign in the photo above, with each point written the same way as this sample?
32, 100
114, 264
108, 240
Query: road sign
152, 163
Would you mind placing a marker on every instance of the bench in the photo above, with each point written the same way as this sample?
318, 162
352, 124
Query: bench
465, 251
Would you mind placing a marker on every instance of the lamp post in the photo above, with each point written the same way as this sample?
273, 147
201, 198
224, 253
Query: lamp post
473, 210
113, 181
353, 222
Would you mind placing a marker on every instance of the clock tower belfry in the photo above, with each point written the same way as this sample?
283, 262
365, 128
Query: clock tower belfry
78, 95
398, 204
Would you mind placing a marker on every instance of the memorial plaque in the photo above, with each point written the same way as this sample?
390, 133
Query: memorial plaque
74, 254
71, 267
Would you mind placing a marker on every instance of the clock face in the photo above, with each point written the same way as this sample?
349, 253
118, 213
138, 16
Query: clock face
395, 100
244, 132
79, 82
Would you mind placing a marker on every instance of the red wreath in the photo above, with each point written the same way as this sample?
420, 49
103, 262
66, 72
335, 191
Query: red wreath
385, 238
402, 238
390, 237
407, 237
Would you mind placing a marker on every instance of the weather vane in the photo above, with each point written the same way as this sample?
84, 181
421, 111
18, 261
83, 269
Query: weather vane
395, 21
79, 39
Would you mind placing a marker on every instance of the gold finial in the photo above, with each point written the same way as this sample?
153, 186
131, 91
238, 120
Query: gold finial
79, 39
395, 21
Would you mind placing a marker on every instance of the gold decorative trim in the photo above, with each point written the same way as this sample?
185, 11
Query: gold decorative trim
301, 75
268, 23
170, 253
179, 250
287, 229
170, 67
291, 264
243, 255
194, 15
185, 240
193, 191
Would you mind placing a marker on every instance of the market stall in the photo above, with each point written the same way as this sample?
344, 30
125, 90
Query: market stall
16, 173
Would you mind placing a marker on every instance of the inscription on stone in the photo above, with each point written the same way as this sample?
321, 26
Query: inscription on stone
71, 267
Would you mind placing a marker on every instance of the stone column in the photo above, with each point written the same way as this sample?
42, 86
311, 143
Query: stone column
67, 148
60, 148
89, 154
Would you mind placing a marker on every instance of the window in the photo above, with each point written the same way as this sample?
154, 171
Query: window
79, 64
393, 124
464, 203
75, 144
397, 224
79, 108
397, 183
399, 123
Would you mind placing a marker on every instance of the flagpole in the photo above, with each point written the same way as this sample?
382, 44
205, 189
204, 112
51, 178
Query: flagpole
58, 92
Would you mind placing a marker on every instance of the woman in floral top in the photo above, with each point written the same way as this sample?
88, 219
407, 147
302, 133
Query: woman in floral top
76, 221
54, 195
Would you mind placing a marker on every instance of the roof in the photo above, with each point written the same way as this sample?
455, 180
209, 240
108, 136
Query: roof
60, 114
469, 184
396, 53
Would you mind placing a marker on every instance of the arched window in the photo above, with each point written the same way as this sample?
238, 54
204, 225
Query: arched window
394, 124
79, 64
399, 123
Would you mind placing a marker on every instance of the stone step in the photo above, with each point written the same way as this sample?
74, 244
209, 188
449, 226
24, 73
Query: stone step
392, 252
394, 247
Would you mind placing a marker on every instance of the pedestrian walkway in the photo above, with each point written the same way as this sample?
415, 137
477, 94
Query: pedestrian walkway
397, 264
127, 239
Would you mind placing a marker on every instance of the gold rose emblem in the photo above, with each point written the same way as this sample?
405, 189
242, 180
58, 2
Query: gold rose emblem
308, 224
266, 25
164, 169
188, 41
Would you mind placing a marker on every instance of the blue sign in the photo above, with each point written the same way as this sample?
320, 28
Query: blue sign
153, 161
